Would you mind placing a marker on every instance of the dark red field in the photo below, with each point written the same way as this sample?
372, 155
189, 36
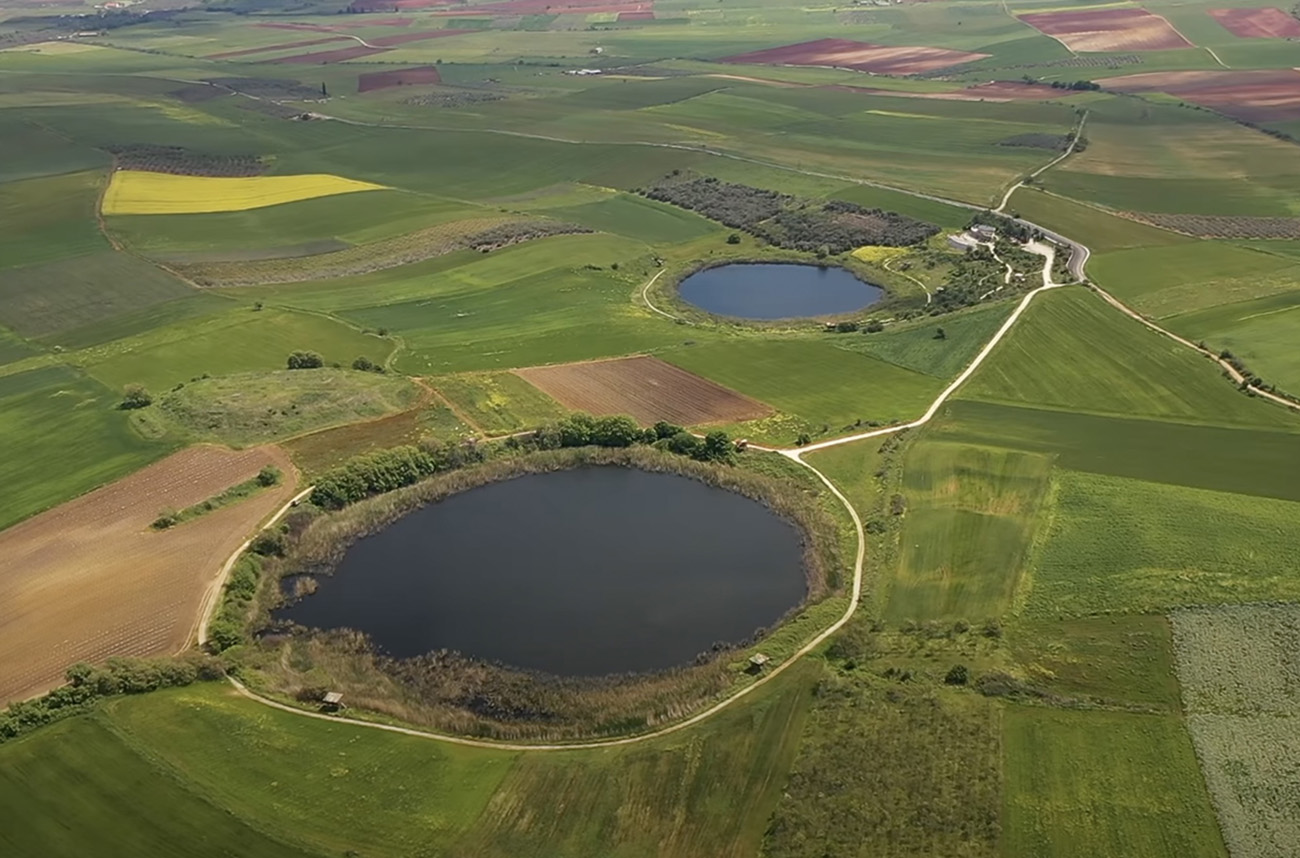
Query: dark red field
289, 25
636, 16
341, 55
1268, 23
1264, 95
282, 46
843, 53
1108, 30
512, 7
421, 75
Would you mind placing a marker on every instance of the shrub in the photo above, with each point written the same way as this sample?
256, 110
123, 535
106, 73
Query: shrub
135, 396
957, 675
305, 360
268, 544
365, 364
268, 476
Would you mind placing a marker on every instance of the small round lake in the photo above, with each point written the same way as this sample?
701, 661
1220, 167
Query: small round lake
767, 291
578, 573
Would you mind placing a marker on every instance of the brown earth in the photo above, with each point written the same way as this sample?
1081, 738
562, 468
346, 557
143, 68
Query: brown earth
90, 579
1261, 95
1108, 30
645, 388
511, 7
861, 56
1000, 91
398, 77
636, 16
1268, 23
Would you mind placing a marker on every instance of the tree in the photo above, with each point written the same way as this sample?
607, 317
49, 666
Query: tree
734, 238
135, 396
957, 675
305, 360
365, 364
716, 448
940, 334
268, 476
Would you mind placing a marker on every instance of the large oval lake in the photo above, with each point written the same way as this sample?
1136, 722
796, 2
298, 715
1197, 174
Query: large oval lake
766, 291
579, 573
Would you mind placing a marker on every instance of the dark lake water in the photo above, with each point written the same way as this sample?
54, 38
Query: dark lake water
777, 291
577, 573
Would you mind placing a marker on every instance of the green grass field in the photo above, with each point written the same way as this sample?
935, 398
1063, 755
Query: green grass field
70, 436
1114, 545
1143, 796
256, 782
42, 220
1116, 366
1099, 230
238, 340
1260, 332
44, 300
916, 346
967, 531
827, 388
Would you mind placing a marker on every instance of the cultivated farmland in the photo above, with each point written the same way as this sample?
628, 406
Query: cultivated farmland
647, 389
859, 56
1263, 95
1267, 23
1108, 30
137, 193
90, 579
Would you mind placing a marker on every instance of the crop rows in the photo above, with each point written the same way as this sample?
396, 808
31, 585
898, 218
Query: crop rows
185, 162
1222, 226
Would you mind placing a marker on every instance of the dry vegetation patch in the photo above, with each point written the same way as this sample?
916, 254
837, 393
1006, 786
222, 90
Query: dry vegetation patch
645, 388
1240, 671
418, 76
91, 579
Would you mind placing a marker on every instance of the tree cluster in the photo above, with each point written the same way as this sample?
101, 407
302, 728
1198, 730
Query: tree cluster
135, 396
305, 360
507, 234
88, 683
185, 162
385, 470
789, 222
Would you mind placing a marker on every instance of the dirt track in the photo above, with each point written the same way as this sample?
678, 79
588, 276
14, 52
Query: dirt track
90, 579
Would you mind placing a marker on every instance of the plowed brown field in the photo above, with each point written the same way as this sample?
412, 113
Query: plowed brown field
398, 77
1261, 95
1108, 30
1269, 23
645, 388
844, 53
90, 579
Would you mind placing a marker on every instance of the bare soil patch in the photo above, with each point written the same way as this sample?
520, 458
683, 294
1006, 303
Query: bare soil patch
636, 16
90, 579
1108, 30
420, 75
1261, 95
1267, 23
860, 56
645, 388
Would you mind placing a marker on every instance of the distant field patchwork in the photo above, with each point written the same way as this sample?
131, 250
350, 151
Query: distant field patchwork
1108, 30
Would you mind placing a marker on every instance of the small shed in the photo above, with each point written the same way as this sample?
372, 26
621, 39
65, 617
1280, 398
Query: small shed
332, 701
757, 661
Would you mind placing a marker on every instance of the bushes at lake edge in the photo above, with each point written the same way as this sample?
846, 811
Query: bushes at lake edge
383, 471
88, 684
